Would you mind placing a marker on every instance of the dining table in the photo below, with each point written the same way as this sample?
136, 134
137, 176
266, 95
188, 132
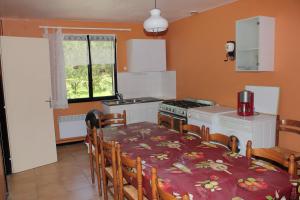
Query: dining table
203, 170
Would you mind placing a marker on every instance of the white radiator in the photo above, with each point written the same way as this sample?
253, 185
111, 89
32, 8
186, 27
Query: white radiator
72, 126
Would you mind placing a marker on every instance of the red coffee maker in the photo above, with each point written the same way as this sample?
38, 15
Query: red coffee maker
245, 103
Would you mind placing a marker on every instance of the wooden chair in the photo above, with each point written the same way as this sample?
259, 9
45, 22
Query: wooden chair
94, 155
228, 141
287, 126
195, 130
165, 120
131, 171
272, 155
109, 168
157, 192
112, 119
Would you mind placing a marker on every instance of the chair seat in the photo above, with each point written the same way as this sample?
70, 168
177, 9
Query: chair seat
99, 156
109, 171
110, 174
287, 152
132, 192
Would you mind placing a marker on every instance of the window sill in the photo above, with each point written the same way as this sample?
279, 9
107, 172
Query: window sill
70, 101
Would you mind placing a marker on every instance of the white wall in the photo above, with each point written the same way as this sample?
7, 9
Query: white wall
147, 84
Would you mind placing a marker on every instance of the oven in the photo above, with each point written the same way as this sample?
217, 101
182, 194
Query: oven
177, 120
177, 109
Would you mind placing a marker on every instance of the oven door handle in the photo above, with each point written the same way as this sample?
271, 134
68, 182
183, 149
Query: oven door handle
179, 118
165, 114
174, 117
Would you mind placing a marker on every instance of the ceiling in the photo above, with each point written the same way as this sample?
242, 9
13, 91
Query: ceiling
104, 10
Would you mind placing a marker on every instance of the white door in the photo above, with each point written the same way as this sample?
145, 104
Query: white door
26, 79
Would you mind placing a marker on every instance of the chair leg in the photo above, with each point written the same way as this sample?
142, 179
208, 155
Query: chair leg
104, 179
92, 167
98, 173
116, 191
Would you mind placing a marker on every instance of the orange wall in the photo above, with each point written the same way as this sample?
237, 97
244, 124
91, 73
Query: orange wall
196, 51
29, 28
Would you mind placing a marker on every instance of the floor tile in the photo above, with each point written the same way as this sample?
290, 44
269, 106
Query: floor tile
69, 178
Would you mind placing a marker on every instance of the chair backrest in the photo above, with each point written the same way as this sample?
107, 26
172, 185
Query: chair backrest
228, 141
157, 192
201, 132
89, 130
112, 119
286, 125
92, 138
131, 170
109, 157
165, 120
272, 155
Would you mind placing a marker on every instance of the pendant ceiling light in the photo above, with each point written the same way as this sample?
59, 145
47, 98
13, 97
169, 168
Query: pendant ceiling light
155, 23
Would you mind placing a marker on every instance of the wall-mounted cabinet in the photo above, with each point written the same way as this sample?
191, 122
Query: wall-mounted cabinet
255, 38
146, 55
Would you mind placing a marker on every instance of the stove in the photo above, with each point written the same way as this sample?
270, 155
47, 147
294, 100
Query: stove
179, 107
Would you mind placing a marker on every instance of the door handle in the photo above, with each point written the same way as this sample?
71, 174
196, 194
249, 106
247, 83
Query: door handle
49, 100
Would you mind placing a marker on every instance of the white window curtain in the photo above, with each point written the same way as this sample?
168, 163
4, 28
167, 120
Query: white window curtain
57, 67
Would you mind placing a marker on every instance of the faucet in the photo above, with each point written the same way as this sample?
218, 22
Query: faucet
119, 96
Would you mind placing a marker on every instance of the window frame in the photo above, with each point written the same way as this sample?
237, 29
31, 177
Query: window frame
90, 75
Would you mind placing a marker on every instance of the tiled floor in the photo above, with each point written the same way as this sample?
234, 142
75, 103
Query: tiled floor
69, 178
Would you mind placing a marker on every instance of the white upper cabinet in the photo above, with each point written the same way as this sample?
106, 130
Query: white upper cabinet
146, 55
255, 38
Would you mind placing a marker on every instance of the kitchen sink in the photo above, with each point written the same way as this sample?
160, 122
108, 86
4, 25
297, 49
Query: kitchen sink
130, 101
135, 100
121, 102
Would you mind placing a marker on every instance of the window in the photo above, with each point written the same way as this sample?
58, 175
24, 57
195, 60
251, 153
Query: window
90, 67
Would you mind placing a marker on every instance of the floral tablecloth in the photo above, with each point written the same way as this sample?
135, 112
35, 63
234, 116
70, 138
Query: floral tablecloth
186, 164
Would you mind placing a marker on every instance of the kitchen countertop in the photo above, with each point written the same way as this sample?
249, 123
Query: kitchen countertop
116, 102
256, 117
216, 109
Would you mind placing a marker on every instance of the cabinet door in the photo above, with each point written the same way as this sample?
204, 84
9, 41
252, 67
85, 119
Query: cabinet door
26, 79
247, 47
151, 112
119, 109
243, 137
140, 112
146, 55
255, 44
136, 113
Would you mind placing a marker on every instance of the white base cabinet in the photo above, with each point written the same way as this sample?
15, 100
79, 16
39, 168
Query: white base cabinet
260, 129
138, 112
207, 116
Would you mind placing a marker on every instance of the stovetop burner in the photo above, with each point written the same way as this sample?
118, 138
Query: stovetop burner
179, 107
184, 103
